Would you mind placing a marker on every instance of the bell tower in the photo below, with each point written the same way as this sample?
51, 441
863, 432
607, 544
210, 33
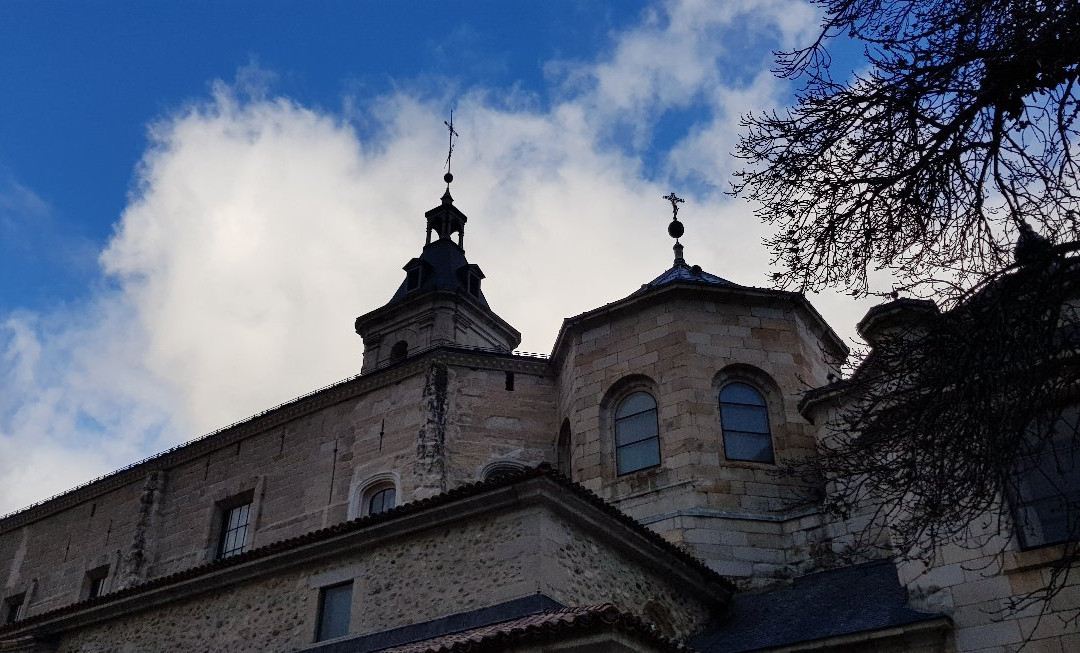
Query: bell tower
440, 301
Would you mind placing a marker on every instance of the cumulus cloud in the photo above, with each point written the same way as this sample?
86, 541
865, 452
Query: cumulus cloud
259, 228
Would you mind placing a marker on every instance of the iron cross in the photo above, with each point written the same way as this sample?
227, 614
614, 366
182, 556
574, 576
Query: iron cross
675, 202
450, 128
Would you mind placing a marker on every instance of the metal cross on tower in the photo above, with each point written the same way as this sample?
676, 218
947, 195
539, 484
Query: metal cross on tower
450, 128
675, 202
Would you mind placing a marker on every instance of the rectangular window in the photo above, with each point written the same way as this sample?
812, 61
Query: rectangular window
413, 279
12, 604
234, 530
95, 582
335, 606
1047, 507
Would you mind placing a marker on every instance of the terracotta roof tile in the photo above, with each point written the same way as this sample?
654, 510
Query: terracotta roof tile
538, 628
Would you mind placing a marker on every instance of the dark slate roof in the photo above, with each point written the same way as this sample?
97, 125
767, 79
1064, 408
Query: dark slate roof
826, 604
444, 266
683, 273
546, 627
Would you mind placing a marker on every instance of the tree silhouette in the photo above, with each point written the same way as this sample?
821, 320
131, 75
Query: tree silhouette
951, 163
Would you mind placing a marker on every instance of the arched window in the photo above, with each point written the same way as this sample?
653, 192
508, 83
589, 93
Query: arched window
744, 420
1046, 485
637, 438
399, 351
562, 449
381, 500
501, 470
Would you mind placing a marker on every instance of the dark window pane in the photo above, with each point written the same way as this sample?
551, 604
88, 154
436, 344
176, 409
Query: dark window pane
737, 417
1048, 483
639, 455
635, 403
754, 447
234, 531
635, 428
96, 587
382, 501
740, 393
744, 421
11, 613
335, 604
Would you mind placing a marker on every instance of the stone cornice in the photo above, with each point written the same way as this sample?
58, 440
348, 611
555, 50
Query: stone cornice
715, 293
534, 487
305, 405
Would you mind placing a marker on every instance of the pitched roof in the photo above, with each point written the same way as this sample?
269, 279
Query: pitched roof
544, 627
683, 273
831, 603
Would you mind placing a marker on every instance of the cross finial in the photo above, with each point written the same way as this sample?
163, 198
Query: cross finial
675, 229
675, 202
450, 152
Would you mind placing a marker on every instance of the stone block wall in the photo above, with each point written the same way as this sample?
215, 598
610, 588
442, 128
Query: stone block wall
423, 427
986, 587
425, 571
682, 348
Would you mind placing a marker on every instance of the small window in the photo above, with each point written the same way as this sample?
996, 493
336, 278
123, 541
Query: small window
637, 436
382, 500
335, 606
95, 581
12, 607
1048, 485
413, 279
399, 351
510, 381
474, 285
744, 421
562, 449
234, 530
502, 470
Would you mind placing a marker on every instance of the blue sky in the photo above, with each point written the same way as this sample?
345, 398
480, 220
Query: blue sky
84, 79
197, 198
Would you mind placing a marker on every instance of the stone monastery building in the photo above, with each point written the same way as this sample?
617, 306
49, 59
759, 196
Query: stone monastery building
621, 494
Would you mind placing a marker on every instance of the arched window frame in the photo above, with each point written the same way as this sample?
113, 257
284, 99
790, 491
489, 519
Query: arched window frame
501, 468
615, 395
364, 492
768, 390
399, 351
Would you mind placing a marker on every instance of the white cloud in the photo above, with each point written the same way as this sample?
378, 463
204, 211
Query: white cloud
260, 228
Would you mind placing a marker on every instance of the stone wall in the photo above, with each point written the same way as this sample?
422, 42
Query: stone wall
425, 426
415, 572
682, 347
982, 586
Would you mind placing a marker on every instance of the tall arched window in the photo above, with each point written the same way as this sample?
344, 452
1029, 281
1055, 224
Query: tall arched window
744, 420
562, 449
637, 438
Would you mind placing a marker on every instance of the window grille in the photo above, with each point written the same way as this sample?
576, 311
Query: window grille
637, 436
234, 529
744, 421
